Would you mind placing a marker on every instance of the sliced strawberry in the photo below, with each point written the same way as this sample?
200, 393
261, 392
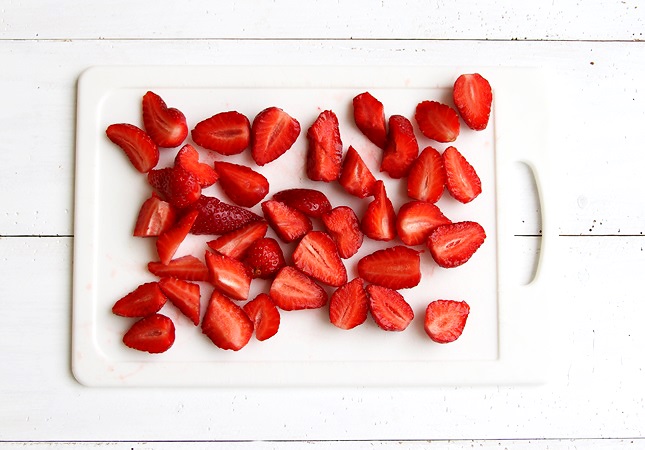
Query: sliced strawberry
396, 267
185, 268
169, 241
389, 309
152, 334
165, 126
288, 223
292, 290
217, 217
265, 316
454, 244
188, 159
349, 305
230, 276
445, 320
401, 149
155, 217
462, 180
369, 116
437, 121
226, 324
343, 226
355, 176
325, 151
265, 258
273, 133
243, 185
473, 98
427, 176
236, 242
415, 220
184, 295
227, 133
379, 220
317, 256
142, 152
310, 202
144, 301
176, 185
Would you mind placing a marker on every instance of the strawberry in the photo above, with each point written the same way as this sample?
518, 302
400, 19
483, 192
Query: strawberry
185, 268
415, 220
348, 305
265, 316
473, 98
379, 220
454, 244
176, 185
437, 121
344, 228
236, 242
462, 180
395, 267
230, 276
217, 217
401, 149
142, 152
243, 185
188, 159
427, 176
226, 324
325, 150
144, 301
184, 295
273, 133
227, 133
369, 116
445, 320
389, 309
169, 241
265, 258
288, 223
293, 290
317, 256
355, 176
155, 217
165, 126
310, 202
152, 334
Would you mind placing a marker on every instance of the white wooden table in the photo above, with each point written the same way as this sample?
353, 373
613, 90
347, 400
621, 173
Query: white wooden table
593, 52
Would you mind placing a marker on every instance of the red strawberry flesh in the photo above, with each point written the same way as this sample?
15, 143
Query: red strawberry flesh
227, 133
165, 126
454, 244
316, 255
226, 324
325, 150
349, 305
152, 334
273, 133
445, 320
142, 152
389, 309
395, 267
473, 98
293, 290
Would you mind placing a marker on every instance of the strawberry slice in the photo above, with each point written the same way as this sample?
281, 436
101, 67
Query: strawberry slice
152, 334
176, 185
325, 151
445, 320
462, 180
349, 305
401, 149
415, 220
288, 223
427, 176
243, 185
169, 241
144, 301
310, 202
369, 116
265, 316
379, 220
155, 217
184, 295
230, 276
227, 133
316, 255
396, 267
142, 152
185, 268
454, 244
217, 217
343, 226
265, 258
473, 98
165, 126
188, 159
273, 133
293, 290
389, 309
226, 324
355, 176
437, 121
236, 242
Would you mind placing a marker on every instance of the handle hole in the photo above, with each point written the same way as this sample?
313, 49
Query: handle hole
527, 224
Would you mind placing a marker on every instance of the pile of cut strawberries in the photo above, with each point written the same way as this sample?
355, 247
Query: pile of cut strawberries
322, 236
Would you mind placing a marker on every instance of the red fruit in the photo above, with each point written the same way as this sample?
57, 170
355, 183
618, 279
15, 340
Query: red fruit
165, 126
437, 121
217, 217
415, 220
169, 241
243, 185
445, 320
310, 202
288, 223
265, 258
155, 217
401, 148
265, 316
389, 309
473, 98
176, 185
379, 220
152, 334
453, 244
462, 180
142, 152
369, 116
325, 151
144, 301
316, 255
427, 176
396, 267
188, 159
344, 228
272, 134
236, 242
185, 268
184, 295
227, 133
348, 305
355, 177
230, 276
293, 290
226, 324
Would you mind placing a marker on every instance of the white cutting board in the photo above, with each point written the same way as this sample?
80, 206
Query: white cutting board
503, 341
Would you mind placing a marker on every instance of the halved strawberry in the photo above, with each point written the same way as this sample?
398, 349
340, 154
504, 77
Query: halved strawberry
415, 220
293, 290
169, 241
217, 217
184, 295
427, 176
454, 244
401, 149
437, 121
176, 185
230, 276
144, 301
236, 242
273, 133
155, 217
226, 324
343, 226
185, 268
325, 151
396, 267
264, 257
310, 202
369, 116
389, 309
445, 320
142, 152
166, 126
355, 176
288, 223
317, 256
473, 98
349, 305
379, 220
227, 133
243, 185
152, 334
462, 180
265, 316
188, 159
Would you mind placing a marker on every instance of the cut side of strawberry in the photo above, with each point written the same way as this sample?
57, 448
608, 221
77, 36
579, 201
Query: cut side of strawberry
227, 133
152, 334
265, 258
355, 176
379, 220
316, 255
437, 121
175, 185
236, 242
325, 151
165, 126
343, 226
415, 220
230, 276
427, 176
144, 301
188, 159
226, 324
142, 152
473, 98
445, 320
170, 240
184, 295
243, 185
389, 309
155, 217
185, 268
217, 217
293, 290
401, 149
349, 305
396, 267
310, 202
369, 116
454, 244
273, 133
462, 180
265, 316
288, 223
